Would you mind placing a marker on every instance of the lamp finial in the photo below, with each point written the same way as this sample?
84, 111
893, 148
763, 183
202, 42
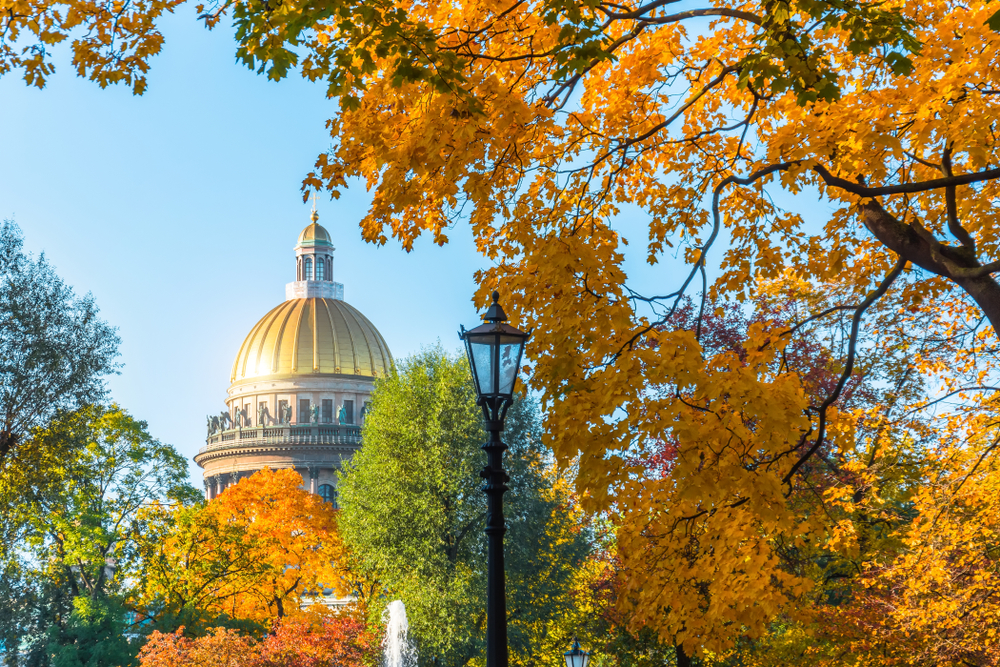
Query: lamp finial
495, 312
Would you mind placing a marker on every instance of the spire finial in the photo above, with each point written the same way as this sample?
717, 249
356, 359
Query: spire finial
314, 216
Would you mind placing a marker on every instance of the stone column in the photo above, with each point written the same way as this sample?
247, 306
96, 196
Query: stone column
313, 477
208, 492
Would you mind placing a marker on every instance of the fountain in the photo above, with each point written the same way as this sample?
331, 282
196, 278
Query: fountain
397, 649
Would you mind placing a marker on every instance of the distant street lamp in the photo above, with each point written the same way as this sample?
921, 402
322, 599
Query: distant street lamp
575, 656
495, 351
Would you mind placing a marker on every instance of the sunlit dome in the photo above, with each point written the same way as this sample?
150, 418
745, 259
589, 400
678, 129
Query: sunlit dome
312, 336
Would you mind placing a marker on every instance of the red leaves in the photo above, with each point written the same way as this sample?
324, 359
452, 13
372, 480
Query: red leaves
293, 642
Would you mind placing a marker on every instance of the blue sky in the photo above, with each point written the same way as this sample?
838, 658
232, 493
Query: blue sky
179, 210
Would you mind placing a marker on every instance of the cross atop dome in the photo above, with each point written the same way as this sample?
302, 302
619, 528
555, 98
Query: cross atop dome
314, 264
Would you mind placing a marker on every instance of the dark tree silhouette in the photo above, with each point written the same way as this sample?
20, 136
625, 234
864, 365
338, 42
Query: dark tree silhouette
54, 350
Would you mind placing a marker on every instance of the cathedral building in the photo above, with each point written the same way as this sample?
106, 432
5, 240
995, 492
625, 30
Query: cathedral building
300, 383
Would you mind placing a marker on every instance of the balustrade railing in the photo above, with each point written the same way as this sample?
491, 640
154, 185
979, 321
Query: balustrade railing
327, 434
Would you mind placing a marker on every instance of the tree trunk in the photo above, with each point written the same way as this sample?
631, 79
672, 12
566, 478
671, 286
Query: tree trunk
929, 254
683, 659
7, 442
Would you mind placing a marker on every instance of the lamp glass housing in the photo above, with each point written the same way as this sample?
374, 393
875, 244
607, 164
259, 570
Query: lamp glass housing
495, 352
577, 657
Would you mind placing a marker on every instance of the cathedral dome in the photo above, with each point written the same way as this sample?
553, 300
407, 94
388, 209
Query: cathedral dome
311, 336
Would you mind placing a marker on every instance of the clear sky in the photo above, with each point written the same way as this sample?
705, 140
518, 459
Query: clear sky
178, 210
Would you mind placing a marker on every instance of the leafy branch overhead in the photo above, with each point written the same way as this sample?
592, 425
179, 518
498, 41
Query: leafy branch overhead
715, 129
347, 42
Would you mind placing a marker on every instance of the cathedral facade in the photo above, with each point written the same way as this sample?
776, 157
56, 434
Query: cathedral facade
300, 384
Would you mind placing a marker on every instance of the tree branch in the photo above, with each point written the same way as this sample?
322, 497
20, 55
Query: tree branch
694, 13
904, 188
849, 366
951, 205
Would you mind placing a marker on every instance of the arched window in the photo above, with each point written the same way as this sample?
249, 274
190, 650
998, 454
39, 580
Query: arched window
320, 265
309, 269
328, 494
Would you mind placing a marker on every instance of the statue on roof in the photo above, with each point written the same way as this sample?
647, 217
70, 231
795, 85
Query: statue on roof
263, 416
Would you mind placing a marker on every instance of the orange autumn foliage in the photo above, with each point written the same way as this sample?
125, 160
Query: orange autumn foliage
293, 642
257, 552
110, 42
935, 600
676, 131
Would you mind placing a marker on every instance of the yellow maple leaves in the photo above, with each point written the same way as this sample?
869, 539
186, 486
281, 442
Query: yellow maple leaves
803, 165
111, 40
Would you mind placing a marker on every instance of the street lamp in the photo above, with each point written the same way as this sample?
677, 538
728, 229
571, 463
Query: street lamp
495, 351
576, 657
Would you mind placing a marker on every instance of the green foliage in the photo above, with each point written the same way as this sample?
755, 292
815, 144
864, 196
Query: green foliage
94, 636
357, 34
77, 528
994, 21
54, 350
413, 513
787, 58
28, 606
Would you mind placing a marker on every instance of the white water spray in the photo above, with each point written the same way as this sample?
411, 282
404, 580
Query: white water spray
397, 649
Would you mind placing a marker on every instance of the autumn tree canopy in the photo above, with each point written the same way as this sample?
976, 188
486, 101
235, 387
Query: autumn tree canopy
716, 127
258, 552
110, 42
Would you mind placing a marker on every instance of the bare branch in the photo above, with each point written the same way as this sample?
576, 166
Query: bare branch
954, 227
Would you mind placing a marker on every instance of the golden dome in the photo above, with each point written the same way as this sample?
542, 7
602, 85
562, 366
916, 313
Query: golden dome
309, 336
313, 235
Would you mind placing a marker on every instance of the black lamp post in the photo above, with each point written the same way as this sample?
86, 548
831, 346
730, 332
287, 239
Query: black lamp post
495, 351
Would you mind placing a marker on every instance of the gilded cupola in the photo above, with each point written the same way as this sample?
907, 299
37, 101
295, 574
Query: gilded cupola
314, 331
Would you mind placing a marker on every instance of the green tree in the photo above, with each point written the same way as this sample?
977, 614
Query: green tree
413, 514
80, 528
54, 350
